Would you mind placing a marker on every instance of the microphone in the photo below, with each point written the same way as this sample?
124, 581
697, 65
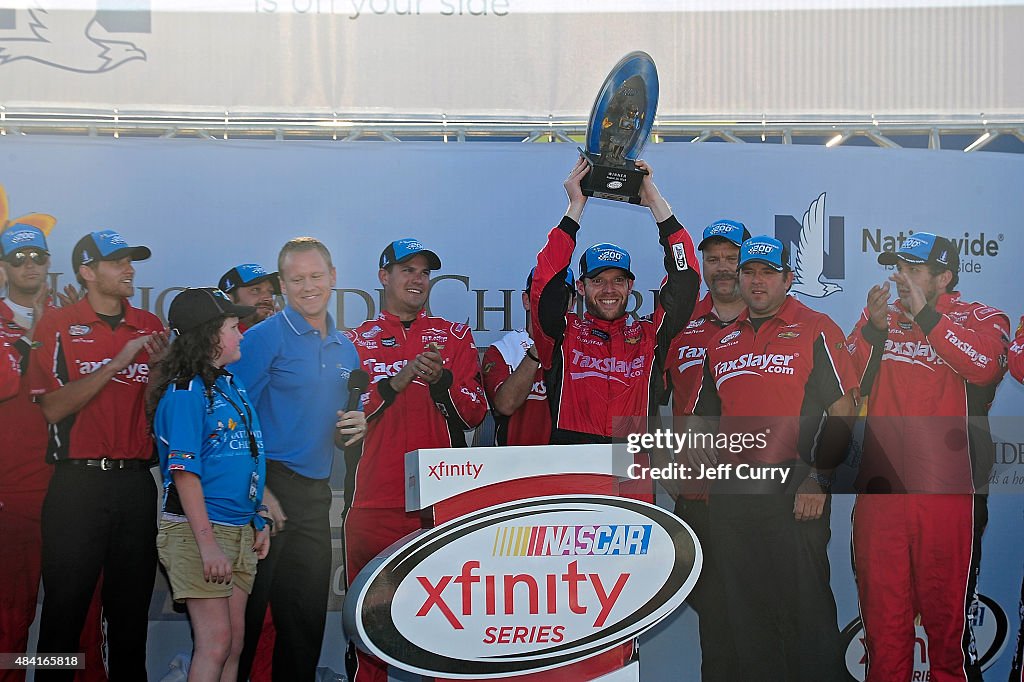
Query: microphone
357, 383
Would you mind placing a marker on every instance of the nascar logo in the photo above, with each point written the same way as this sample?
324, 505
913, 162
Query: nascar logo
571, 540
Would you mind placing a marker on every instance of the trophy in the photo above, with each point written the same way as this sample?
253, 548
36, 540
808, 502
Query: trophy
620, 123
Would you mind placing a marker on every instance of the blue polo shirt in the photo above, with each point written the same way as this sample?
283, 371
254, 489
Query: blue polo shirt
207, 433
297, 382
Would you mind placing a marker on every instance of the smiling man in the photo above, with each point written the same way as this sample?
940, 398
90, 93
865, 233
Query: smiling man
89, 374
602, 365
425, 392
296, 366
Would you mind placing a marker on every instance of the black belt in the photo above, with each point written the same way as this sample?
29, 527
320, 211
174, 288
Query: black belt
107, 464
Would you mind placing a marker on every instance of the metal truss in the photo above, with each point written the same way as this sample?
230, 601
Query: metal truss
967, 132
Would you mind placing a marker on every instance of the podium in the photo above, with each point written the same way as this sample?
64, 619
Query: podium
529, 566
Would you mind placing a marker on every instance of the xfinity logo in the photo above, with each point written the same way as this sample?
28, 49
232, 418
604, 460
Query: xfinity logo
817, 247
522, 587
446, 470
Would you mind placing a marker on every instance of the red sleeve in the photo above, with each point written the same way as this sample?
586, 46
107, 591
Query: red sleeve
1016, 354
495, 372
465, 393
839, 357
548, 303
44, 374
865, 345
679, 288
976, 350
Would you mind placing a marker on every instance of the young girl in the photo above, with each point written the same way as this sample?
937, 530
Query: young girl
211, 454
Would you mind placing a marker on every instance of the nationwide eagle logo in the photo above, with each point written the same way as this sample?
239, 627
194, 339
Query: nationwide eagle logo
71, 40
809, 278
819, 252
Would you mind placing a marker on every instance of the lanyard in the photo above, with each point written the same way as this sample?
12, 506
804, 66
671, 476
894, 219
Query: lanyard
246, 418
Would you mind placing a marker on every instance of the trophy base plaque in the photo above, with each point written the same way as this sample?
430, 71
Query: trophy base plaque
615, 182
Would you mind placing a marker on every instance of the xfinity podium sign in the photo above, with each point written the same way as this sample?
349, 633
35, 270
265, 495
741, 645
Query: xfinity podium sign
524, 586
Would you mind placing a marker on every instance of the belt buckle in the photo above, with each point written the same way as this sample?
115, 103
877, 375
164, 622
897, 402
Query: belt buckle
106, 464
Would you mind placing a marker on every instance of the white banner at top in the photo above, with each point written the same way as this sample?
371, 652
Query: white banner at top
515, 58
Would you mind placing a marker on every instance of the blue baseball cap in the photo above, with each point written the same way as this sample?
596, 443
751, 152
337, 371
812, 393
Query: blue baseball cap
20, 236
600, 257
245, 275
765, 250
402, 250
105, 245
731, 230
570, 279
924, 247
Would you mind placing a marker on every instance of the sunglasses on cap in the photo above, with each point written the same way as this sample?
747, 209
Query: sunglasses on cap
19, 258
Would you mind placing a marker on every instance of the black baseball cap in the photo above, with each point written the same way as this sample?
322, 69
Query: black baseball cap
195, 307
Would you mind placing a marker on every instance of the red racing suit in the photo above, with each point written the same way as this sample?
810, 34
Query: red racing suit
597, 370
421, 416
929, 383
531, 423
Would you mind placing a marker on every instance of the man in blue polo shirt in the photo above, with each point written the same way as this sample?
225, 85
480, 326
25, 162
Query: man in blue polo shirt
296, 367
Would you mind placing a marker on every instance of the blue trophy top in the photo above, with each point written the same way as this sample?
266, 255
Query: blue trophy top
623, 113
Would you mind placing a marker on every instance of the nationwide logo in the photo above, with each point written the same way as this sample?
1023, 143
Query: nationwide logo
816, 242
972, 247
572, 540
455, 602
72, 40
989, 625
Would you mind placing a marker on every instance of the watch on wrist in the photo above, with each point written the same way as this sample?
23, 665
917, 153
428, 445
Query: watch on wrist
821, 479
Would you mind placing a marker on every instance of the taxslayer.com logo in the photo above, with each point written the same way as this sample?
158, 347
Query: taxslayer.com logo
990, 637
607, 368
524, 586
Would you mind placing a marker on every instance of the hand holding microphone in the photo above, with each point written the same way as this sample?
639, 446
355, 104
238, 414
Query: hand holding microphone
351, 425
